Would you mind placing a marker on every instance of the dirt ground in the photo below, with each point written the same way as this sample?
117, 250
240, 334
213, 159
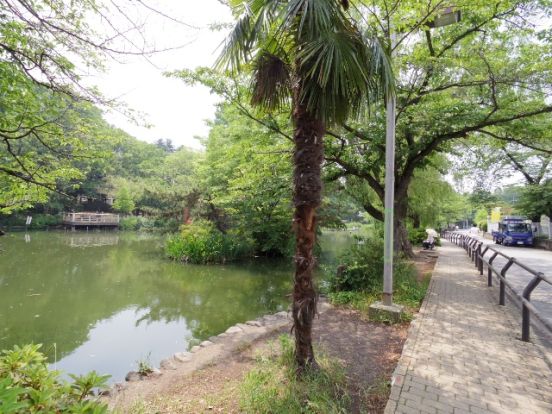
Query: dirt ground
369, 352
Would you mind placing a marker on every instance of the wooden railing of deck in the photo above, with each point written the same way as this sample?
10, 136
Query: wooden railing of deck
91, 218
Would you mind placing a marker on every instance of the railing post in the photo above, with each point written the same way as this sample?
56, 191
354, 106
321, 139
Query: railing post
526, 317
490, 270
502, 299
481, 259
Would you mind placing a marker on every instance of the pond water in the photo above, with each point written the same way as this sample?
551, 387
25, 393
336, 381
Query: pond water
105, 300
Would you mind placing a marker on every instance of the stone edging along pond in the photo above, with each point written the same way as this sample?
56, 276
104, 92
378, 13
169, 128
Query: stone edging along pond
216, 349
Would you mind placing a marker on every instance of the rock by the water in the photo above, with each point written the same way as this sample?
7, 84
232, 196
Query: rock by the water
269, 318
107, 393
155, 373
167, 364
182, 356
206, 343
195, 348
233, 330
133, 376
119, 386
254, 323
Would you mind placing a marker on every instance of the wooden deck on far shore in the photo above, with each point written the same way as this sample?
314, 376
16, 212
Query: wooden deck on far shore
91, 219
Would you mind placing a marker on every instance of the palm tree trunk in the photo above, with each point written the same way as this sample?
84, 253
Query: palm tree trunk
307, 159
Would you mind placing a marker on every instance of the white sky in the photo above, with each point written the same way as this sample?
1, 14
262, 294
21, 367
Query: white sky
174, 110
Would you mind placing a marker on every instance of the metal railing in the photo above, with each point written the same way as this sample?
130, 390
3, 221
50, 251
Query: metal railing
476, 250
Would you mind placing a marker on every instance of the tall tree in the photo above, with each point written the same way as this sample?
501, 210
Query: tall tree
312, 53
454, 83
537, 200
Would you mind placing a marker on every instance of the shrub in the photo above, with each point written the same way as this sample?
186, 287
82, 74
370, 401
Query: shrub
417, 236
41, 221
28, 386
141, 223
130, 223
362, 266
202, 243
359, 279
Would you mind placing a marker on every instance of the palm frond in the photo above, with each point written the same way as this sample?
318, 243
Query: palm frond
379, 64
308, 18
253, 24
341, 70
238, 45
271, 82
342, 73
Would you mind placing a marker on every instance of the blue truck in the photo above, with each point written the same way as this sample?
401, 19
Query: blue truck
513, 231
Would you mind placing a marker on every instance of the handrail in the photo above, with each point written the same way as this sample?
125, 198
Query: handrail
476, 252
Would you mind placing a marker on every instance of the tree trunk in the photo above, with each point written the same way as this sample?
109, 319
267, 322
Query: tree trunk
400, 236
415, 220
307, 158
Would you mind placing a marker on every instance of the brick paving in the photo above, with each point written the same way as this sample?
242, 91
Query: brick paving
463, 353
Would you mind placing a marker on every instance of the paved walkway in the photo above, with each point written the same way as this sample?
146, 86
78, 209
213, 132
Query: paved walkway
463, 354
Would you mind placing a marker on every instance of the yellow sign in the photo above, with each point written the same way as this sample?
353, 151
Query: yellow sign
495, 215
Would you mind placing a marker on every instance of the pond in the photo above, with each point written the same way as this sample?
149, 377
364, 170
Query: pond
105, 300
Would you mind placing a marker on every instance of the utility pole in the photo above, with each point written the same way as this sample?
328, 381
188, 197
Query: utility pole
447, 16
389, 201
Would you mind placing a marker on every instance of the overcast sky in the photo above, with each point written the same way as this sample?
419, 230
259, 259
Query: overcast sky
174, 110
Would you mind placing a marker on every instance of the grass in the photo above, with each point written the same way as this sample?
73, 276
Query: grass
409, 291
272, 386
144, 365
375, 397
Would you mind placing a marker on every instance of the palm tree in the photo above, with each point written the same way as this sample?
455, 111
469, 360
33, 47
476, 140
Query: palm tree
310, 54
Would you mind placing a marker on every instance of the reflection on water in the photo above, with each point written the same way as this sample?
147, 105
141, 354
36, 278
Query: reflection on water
106, 300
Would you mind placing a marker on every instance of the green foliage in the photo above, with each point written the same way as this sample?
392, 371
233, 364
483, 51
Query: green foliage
141, 223
202, 243
40, 221
536, 200
245, 181
417, 236
432, 199
144, 366
481, 217
130, 223
123, 201
341, 69
363, 267
359, 279
464, 88
28, 386
483, 199
273, 387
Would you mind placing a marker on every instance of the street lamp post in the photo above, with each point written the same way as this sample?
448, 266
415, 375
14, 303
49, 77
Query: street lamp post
387, 298
447, 16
